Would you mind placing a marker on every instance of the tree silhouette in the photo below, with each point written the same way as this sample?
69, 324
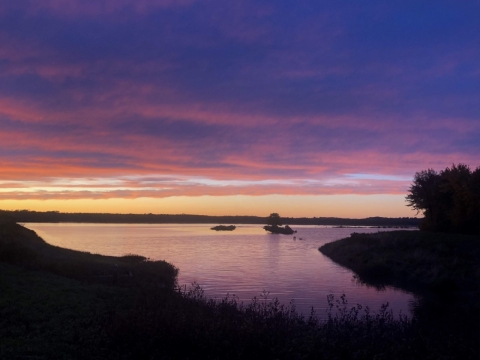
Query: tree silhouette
449, 200
274, 220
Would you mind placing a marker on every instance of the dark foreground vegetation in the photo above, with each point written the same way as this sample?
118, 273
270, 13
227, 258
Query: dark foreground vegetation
449, 199
411, 259
62, 304
23, 216
443, 268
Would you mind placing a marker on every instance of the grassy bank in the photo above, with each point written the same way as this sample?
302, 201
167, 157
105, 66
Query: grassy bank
443, 268
21, 246
411, 259
63, 304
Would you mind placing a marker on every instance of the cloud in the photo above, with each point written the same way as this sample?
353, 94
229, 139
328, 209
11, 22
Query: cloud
161, 187
270, 98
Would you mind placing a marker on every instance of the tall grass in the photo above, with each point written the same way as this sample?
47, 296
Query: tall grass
186, 324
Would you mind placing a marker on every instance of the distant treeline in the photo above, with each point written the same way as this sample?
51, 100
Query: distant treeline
449, 199
55, 216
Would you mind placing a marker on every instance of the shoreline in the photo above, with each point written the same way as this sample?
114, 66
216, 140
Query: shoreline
52, 307
24, 216
416, 261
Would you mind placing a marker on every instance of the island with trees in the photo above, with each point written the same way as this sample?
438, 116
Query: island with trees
274, 225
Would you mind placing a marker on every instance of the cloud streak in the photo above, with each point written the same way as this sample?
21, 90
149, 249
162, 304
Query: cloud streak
161, 187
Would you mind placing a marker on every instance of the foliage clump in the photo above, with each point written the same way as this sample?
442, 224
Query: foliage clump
449, 199
274, 219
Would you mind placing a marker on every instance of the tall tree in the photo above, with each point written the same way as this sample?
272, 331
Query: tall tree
455, 192
424, 194
449, 200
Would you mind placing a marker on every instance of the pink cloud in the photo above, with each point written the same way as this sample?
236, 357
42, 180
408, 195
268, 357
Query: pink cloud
224, 93
67, 193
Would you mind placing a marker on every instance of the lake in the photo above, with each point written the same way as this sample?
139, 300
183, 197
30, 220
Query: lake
245, 262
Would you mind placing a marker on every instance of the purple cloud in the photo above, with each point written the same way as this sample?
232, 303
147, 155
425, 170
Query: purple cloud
301, 94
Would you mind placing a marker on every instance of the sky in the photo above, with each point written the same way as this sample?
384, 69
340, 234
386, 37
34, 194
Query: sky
305, 108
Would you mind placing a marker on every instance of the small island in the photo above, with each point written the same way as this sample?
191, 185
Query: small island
274, 223
287, 230
224, 228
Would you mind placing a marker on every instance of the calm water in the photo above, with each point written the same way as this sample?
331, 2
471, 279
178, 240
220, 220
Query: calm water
244, 262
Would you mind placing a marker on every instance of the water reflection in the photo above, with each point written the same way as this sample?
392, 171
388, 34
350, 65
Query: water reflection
244, 262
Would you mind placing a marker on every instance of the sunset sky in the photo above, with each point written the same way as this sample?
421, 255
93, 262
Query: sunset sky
306, 108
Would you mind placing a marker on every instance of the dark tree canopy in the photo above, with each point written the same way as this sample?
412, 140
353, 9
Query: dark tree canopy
274, 220
449, 199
